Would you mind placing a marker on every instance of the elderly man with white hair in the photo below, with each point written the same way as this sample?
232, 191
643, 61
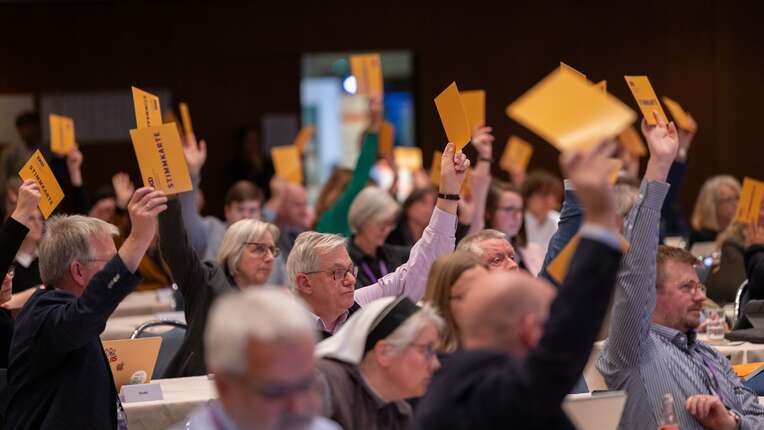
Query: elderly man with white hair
322, 273
492, 247
260, 346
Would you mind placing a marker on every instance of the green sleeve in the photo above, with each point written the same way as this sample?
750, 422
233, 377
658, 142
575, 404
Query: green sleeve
335, 219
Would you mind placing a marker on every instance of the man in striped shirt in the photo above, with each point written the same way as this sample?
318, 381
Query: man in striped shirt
651, 349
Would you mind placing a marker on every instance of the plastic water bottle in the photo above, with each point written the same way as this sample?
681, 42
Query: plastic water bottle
668, 416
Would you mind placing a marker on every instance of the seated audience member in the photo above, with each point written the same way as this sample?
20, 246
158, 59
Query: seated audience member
492, 248
335, 218
384, 355
371, 218
651, 349
504, 212
245, 259
542, 192
715, 208
415, 215
728, 272
522, 350
260, 346
12, 234
754, 267
58, 376
322, 273
451, 277
290, 214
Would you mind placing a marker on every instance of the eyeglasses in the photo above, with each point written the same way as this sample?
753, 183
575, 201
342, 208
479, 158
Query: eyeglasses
278, 391
338, 274
259, 249
498, 260
511, 210
693, 288
426, 349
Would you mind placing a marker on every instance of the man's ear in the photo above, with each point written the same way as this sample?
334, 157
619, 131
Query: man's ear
77, 273
303, 284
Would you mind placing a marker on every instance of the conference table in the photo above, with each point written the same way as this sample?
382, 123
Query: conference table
736, 353
181, 397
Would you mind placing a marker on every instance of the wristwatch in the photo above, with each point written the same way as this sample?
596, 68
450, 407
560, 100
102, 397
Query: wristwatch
448, 196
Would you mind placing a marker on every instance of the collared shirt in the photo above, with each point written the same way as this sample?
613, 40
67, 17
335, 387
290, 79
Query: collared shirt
212, 416
409, 279
541, 233
648, 360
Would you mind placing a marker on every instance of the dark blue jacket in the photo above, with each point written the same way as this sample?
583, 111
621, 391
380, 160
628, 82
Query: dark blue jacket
58, 377
486, 390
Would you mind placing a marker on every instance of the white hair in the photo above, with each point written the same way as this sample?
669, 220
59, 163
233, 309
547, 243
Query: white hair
66, 239
265, 314
407, 332
240, 232
471, 242
307, 251
371, 204
625, 197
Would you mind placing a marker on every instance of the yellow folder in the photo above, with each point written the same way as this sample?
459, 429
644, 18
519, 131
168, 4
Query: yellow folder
51, 193
646, 99
474, 105
631, 140
303, 136
408, 157
160, 158
453, 116
287, 162
517, 154
367, 69
679, 115
749, 205
386, 139
435, 170
185, 117
148, 112
61, 134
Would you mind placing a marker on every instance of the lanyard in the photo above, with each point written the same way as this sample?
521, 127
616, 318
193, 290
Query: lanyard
711, 372
367, 270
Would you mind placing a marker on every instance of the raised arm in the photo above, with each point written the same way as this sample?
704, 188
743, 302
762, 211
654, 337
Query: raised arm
482, 140
196, 154
73, 325
634, 301
571, 216
80, 202
438, 238
15, 229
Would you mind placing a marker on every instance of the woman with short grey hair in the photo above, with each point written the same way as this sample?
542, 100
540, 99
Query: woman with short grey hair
372, 217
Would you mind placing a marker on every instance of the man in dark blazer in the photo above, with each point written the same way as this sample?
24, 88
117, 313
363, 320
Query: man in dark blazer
58, 377
523, 350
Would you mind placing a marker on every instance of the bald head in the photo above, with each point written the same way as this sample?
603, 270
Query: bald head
506, 312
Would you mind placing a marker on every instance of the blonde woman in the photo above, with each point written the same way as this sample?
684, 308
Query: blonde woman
714, 208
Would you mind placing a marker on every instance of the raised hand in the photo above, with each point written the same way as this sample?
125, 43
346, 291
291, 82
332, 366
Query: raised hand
27, 202
74, 165
453, 168
663, 143
123, 188
195, 153
589, 171
144, 207
482, 140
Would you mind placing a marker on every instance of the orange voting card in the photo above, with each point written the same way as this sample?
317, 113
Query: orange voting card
631, 140
303, 137
517, 154
453, 116
680, 116
646, 99
615, 169
148, 112
287, 163
367, 69
602, 86
749, 205
474, 105
61, 134
160, 158
185, 116
408, 157
569, 112
435, 170
565, 67
386, 139
558, 268
39, 170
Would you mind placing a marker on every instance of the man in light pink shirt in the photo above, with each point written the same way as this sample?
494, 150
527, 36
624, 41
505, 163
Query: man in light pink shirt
321, 272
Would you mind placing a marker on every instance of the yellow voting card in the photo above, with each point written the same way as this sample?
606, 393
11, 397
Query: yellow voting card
517, 154
646, 99
474, 105
367, 70
61, 134
615, 169
680, 116
602, 86
303, 137
749, 205
631, 140
408, 157
185, 117
148, 112
453, 116
558, 268
160, 158
570, 113
568, 68
386, 139
435, 170
287, 163
51, 193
